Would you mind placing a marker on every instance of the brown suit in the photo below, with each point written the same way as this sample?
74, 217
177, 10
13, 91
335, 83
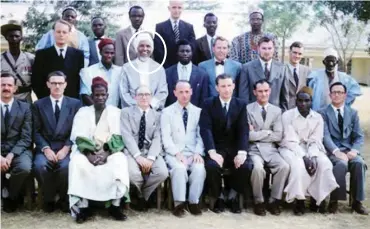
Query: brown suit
303, 73
122, 38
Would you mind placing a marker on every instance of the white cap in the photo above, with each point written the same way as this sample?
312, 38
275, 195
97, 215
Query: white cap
144, 36
331, 52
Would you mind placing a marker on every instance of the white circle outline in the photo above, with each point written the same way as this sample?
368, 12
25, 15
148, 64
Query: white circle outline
128, 47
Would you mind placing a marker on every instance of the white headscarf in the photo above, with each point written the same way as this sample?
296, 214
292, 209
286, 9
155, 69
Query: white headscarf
330, 52
145, 36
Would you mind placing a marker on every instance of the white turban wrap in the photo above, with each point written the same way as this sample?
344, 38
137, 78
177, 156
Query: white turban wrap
145, 36
331, 52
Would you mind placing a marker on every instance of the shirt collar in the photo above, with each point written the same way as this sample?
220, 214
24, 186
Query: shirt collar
186, 65
223, 60
10, 103
181, 107
260, 106
133, 30
60, 100
103, 67
223, 102
291, 67
297, 114
340, 108
209, 37
263, 63
58, 48
146, 111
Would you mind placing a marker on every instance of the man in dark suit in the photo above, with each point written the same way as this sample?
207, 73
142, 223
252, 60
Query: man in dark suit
16, 143
186, 70
53, 118
343, 140
172, 30
204, 44
59, 57
264, 68
98, 27
224, 129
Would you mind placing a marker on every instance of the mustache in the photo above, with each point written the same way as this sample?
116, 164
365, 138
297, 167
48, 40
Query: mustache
5, 91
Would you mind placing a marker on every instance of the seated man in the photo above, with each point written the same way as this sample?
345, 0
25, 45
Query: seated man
16, 142
140, 127
224, 130
184, 149
98, 168
343, 139
53, 118
265, 131
311, 172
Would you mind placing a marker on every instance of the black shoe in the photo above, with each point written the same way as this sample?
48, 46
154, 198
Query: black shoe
82, 215
333, 206
10, 205
48, 207
219, 206
359, 208
194, 209
234, 206
274, 208
259, 209
141, 205
179, 210
299, 208
116, 213
313, 207
322, 207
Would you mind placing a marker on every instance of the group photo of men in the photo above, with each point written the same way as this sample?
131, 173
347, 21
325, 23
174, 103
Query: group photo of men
102, 123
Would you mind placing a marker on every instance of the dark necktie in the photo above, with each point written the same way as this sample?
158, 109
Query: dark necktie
6, 115
61, 54
295, 77
263, 112
176, 31
142, 131
340, 121
224, 109
220, 63
57, 111
267, 72
185, 117
97, 38
212, 42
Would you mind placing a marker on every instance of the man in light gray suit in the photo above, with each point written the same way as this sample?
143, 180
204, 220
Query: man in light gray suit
184, 149
140, 128
296, 74
264, 68
343, 139
266, 131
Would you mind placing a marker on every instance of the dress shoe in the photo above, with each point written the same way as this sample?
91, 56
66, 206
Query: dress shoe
10, 205
141, 205
322, 207
179, 210
313, 207
259, 209
48, 207
359, 208
333, 207
234, 206
82, 216
273, 208
299, 208
194, 209
219, 206
117, 213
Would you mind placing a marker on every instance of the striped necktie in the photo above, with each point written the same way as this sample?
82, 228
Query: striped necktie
176, 31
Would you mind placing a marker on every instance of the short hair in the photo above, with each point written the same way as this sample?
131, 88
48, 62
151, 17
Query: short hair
220, 38
182, 81
97, 17
296, 44
61, 21
9, 74
56, 73
135, 7
209, 15
265, 39
261, 81
222, 77
338, 84
142, 86
183, 42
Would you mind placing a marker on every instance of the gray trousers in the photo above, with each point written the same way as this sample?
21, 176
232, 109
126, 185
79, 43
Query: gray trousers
280, 170
357, 169
179, 178
147, 185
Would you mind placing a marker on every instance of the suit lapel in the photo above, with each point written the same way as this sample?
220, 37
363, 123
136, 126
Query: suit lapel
258, 70
136, 116
257, 115
332, 118
93, 51
13, 113
212, 68
150, 121
291, 77
193, 76
205, 47
64, 111
3, 129
128, 34
49, 113
170, 30
230, 113
68, 58
273, 71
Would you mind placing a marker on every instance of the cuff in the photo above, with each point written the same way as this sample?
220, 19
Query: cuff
335, 151
136, 155
151, 158
242, 152
211, 151
45, 147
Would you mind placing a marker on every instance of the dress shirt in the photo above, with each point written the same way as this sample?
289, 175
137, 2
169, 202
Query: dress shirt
268, 64
64, 50
9, 107
173, 23
180, 71
291, 68
97, 46
341, 109
133, 30
219, 69
60, 100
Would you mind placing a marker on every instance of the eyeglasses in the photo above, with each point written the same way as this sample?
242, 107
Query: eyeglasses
54, 84
337, 92
142, 95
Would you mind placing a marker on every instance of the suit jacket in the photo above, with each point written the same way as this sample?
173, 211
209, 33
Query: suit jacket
303, 73
165, 30
266, 134
47, 60
232, 68
352, 138
130, 124
94, 53
131, 81
222, 133
122, 38
48, 132
175, 137
199, 81
202, 51
252, 72
16, 138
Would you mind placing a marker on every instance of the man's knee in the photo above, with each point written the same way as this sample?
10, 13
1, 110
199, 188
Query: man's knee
284, 167
199, 170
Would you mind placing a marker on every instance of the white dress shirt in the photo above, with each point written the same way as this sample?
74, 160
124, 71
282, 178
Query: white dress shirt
341, 109
291, 68
219, 69
223, 103
3, 108
184, 71
263, 64
173, 23
60, 100
64, 50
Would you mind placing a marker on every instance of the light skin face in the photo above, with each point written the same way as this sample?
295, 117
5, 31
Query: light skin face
256, 21
225, 88
175, 8
183, 93
266, 50
8, 88
136, 17
295, 55
144, 49
262, 93
107, 54
211, 24
57, 85
184, 54
61, 34
304, 103
338, 95
98, 27
143, 97
221, 49
70, 16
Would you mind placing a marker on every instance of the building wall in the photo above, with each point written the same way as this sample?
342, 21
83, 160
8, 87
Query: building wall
361, 70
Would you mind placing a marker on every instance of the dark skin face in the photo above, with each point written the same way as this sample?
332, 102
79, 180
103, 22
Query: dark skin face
14, 38
70, 16
184, 54
99, 96
256, 21
304, 103
98, 27
330, 62
136, 17
107, 54
211, 24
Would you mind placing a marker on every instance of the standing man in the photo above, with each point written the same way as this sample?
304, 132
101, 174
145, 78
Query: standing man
59, 57
224, 129
264, 68
107, 70
53, 118
16, 142
76, 39
343, 140
244, 48
141, 131
187, 71
321, 80
172, 31
265, 132
17, 62
220, 64
136, 15
295, 73
98, 27
204, 44
184, 149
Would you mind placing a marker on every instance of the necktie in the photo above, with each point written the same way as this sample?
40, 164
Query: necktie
267, 72
176, 31
220, 63
295, 76
224, 109
212, 42
340, 121
185, 117
57, 111
184, 73
6, 115
142, 131
263, 112
97, 38
61, 54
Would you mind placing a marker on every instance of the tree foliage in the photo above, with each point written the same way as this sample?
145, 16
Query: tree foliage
201, 5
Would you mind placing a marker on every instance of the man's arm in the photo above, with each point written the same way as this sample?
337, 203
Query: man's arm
328, 141
276, 134
25, 139
85, 48
243, 87
125, 95
205, 125
160, 96
234, 50
168, 144
357, 134
68, 141
40, 141
85, 90
243, 130
316, 138
120, 50
284, 92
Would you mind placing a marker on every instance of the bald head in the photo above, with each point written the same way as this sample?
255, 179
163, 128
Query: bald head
175, 8
183, 92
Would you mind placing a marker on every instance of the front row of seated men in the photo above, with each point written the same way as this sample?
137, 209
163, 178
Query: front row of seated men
111, 149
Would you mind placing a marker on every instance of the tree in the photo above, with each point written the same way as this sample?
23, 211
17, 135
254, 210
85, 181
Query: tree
201, 5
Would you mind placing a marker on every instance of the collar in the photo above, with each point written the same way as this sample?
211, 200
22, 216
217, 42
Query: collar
98, 39
173, 21
133, 30
260, 106
53, 99
58, 48
223, 102
291, 67
209, 37
10, 103
146, 111
187, 65
297, 114
103, 67
224, 60
263, 63
177, 104
341, 109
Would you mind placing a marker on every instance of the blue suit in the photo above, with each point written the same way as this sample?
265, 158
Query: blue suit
232, 68
49, 133
94, 56
198, 81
